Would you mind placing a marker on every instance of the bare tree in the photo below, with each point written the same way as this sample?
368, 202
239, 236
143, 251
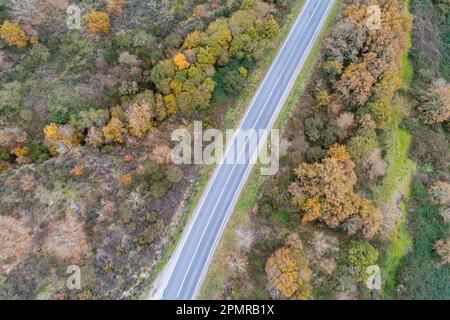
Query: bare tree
22, 9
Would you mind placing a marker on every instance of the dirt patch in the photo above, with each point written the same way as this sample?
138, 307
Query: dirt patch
15, 242
67, 240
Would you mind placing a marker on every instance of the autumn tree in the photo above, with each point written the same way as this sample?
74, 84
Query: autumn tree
208, 55
311, 209
355, 85
114, 131
374, 166
98, 22
217, 33
270, 29
363, 66
140, 114
192, 40
327, 187
345, 123
181, 62
61, 137
160, 110
288, 271
171, 104
13, 35
247, 4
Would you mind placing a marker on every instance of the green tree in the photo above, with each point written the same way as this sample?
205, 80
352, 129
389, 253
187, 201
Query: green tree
361, 255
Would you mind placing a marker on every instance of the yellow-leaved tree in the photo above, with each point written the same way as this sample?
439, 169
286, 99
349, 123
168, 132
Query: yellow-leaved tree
13, 35
98, 22
181, 62
114, 131
60, 138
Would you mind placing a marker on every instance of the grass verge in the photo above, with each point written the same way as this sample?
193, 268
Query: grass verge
425, 277
396, 185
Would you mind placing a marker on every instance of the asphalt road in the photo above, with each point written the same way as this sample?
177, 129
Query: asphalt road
183, 274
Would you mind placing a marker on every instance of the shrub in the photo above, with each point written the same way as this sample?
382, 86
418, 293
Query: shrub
11, 96
126, 180
374, 166
314, 127
362, 145
98, 22
13, 35
160, 188
437, 107
115, 6
233, 82
361, 255
77, 171
39, 53
442, 248
315, 154
174, 174
90, 118
37, 152
423, 151
440, 193
161, 154
108, 149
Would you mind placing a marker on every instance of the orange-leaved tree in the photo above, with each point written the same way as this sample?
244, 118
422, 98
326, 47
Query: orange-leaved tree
288, 272
324, 191
181, 62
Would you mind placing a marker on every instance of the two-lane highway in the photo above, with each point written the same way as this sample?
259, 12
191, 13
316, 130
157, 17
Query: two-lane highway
183, 274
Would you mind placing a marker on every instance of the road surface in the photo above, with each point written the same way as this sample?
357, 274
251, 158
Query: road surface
183, 274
